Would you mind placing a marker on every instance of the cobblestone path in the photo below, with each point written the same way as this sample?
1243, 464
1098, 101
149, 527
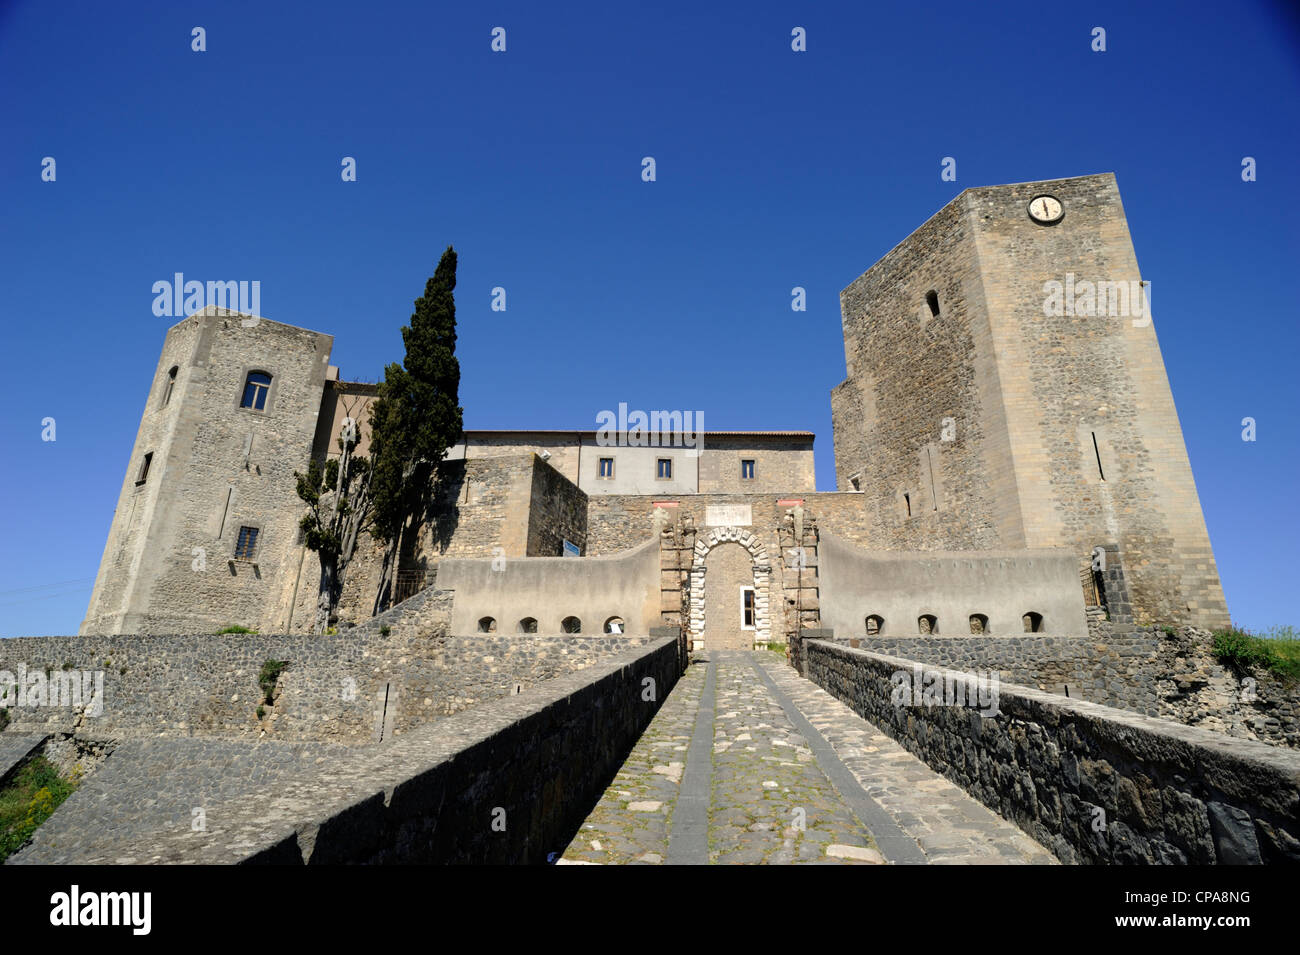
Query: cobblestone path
748, 763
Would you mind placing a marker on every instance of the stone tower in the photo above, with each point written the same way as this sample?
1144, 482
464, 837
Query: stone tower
205, 530
985, 408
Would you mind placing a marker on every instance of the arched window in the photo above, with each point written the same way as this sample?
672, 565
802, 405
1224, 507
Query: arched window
927, 623
615, 625
1033, 622
528, 625
256, 388
932, 299
487, 625
979, 623
571, 625
874, 625
167, 387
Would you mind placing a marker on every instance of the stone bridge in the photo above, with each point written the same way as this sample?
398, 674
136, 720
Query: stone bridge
648, 756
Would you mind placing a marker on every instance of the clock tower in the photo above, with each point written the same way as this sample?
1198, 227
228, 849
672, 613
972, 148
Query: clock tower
1005, 389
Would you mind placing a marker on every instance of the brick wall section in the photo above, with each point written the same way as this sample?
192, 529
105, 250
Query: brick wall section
1170, 794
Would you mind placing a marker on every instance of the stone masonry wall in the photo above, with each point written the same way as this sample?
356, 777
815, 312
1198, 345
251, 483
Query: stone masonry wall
1196, 688
114, 584
435, 795
1092, 783
399, 671
918, 418
1118, 671
975, 416
1086, 384
617, 522
216, 467
557, 512
475, 507
781, 466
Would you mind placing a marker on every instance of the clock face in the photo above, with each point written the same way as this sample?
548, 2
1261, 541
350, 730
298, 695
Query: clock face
1045, 209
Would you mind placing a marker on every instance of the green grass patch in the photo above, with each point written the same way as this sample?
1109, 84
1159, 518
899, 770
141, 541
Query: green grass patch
271, 671
235, 628
1277, 649
31, 797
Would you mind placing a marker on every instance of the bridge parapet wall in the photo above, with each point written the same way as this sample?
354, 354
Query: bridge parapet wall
1093, 783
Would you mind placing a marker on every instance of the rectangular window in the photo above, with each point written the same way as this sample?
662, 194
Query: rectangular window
607, 467
256, 387
246, 546
144, 469
665, 472
747, 470
747, 608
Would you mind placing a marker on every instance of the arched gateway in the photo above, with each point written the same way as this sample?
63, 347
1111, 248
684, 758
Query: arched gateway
736, 612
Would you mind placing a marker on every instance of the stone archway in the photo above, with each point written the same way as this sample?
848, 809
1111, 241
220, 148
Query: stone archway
762, 575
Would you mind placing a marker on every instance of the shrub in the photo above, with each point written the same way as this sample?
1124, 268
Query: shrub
35, 791
385, 630
235, 628
1278, 651
271, 671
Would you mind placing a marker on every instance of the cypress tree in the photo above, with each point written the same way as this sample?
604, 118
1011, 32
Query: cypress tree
417, 416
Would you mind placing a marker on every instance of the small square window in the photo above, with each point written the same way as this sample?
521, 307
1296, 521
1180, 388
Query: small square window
747, 469
246, 546
607, 467
665, 472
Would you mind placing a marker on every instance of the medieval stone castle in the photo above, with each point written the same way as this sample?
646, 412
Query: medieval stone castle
578, 637
985, 450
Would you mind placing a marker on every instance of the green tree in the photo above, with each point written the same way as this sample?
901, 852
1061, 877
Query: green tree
340, 504
417, 416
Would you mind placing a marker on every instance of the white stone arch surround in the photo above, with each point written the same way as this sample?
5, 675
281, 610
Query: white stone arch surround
704, 543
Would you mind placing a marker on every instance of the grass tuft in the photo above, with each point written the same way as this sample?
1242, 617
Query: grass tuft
1277, 649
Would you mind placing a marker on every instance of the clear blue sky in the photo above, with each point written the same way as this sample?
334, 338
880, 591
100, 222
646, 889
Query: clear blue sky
775, 169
